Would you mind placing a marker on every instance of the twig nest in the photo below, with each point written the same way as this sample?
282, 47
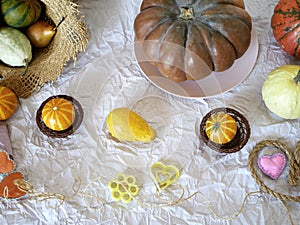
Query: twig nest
59, 116
224, 130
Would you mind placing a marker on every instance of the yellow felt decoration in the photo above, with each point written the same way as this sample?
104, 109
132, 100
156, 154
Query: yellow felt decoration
164, 175
123, 188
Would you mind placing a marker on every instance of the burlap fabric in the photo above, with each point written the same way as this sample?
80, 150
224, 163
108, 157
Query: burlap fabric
47, 63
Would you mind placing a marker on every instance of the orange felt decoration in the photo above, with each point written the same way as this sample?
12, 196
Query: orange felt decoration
6, 164
8, 188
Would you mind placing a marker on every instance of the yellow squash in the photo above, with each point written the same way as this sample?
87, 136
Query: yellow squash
126, 125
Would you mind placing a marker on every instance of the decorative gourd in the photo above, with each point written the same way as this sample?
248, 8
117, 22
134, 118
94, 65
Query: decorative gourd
15, 48
8, 103
20, 13
126, 125
190, 39
281, 91
285, 24
220, 128
58, 114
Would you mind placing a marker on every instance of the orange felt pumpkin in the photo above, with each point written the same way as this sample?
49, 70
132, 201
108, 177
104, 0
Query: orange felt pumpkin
58, 114
8, 103
7, 164
8, 187
220, 128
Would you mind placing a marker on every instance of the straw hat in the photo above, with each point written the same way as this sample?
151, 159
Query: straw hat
47, 63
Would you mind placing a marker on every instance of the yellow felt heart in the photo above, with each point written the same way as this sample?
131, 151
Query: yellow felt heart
164, 175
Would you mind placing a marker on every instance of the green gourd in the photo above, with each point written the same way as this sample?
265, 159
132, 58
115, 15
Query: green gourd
20, 13
15, 47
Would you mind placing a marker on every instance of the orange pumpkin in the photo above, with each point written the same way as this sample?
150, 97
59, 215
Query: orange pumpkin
220, 128
58, 114
8, 103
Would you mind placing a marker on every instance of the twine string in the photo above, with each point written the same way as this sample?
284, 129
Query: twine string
293, 174
295, 167
181, 199
176, 199
5, 192
297, 153
76, 190
27, 188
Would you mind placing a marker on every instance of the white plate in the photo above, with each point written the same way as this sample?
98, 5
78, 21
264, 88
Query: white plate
214, 84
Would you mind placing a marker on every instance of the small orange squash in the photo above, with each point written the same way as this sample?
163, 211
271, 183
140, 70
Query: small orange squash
220, 128
8, 103
58, 114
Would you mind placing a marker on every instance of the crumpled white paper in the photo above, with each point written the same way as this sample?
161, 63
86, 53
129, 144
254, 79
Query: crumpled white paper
107, 76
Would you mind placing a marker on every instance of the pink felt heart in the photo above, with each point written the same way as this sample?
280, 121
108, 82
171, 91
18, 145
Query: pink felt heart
272, 165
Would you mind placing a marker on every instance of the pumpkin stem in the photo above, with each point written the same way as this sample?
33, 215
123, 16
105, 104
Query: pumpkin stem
216, 126
297, 78
187, 13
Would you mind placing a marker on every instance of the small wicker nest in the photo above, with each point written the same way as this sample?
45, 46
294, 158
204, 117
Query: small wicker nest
47, 63
240, 139
64, 133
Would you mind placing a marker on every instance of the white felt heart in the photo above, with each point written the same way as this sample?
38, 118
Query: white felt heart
272, 165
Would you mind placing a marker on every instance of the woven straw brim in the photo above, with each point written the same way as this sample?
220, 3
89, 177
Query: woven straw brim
240, 139
47, 63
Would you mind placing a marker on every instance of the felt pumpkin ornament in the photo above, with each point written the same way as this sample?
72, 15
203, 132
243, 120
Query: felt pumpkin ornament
281, 91
8, 103
220, 128
8, 176
285, 25
58, 114
190, 39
